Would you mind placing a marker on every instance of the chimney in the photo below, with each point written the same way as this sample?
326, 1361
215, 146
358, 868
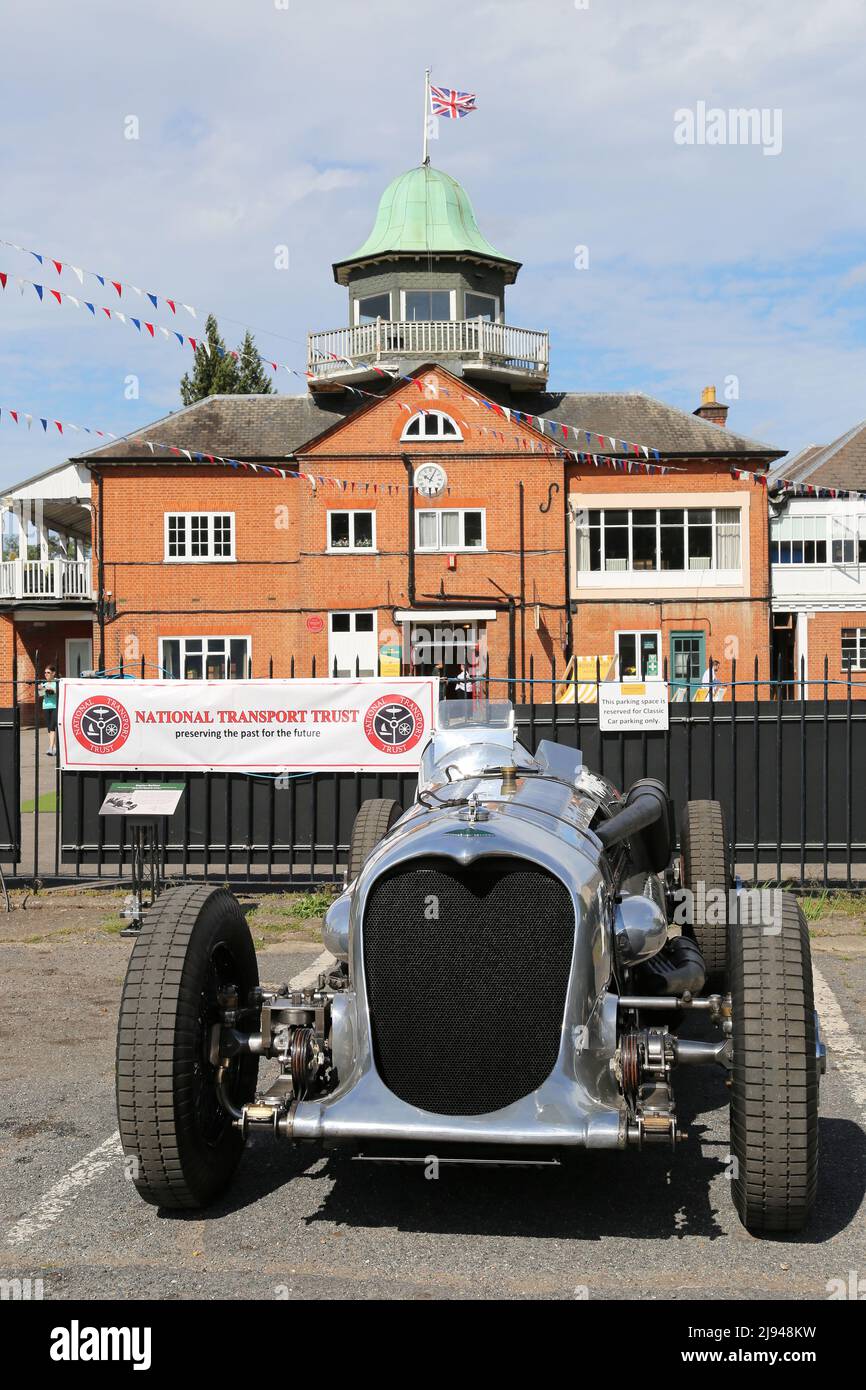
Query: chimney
711, 409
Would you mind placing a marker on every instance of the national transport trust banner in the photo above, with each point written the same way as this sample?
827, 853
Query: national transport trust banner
367, 725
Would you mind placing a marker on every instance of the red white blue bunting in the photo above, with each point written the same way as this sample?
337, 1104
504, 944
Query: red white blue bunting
106, 281
589, 443
49, 425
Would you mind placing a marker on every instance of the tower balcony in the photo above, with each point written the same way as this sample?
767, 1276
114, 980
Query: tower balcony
474, 347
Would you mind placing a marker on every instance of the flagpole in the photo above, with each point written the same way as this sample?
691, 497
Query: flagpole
425, 159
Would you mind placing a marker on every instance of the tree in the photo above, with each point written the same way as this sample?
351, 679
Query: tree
254, 379
215, 371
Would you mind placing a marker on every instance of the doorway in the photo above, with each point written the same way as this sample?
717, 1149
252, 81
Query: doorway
352, 646
688, 660
79, 656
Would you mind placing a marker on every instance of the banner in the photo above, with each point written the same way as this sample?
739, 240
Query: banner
365, 725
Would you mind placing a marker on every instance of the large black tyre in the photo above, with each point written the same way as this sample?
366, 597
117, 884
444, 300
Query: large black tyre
706, 871
193, 941
774, 1081
372, 823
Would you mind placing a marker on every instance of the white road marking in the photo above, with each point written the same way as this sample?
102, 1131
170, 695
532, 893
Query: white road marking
844, 1053
58, 1198
312, 972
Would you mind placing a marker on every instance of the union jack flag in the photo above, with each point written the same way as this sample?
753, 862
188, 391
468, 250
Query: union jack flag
454, 105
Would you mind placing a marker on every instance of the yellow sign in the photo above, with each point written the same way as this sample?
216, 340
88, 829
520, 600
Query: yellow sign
389, 659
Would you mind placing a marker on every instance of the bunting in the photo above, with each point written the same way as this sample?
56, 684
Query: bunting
597, 444
105, 281
566, 439
48, 423
96, 310
787, 485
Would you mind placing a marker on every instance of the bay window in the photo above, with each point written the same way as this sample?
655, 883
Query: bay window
652, 539
816, 540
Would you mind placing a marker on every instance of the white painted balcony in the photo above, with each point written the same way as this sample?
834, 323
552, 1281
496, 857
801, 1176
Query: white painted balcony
45, 579
494, 350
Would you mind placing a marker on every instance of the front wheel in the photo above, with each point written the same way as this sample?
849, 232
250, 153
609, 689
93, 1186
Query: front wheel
184, 1149
774, 1080
372, 823
706, 872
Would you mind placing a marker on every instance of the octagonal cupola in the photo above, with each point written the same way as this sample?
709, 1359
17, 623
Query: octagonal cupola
427, 285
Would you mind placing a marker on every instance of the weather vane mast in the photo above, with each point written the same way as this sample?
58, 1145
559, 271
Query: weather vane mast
425, 157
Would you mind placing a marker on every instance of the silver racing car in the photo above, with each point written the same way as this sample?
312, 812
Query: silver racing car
513, 960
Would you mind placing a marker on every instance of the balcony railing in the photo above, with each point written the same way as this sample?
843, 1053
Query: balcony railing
48, 579
525, 351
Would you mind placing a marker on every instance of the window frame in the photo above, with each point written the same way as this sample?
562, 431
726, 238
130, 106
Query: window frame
452, 305
481, 294
351, 548
638, 633
778, 540
210, 558
627, 513
357, 301
440, 415
440, 548
204, 638
859, 635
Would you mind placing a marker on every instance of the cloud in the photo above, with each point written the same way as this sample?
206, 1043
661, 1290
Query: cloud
261, 127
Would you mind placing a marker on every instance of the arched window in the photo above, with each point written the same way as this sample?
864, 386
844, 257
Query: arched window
431, 424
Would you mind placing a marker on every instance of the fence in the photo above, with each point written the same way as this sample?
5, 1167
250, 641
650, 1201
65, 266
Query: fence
790, 773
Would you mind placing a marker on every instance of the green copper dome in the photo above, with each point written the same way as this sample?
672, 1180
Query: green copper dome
425, 210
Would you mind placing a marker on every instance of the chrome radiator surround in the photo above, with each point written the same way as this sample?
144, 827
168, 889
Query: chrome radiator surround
579, 1103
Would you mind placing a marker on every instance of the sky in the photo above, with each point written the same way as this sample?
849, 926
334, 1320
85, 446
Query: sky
278, 123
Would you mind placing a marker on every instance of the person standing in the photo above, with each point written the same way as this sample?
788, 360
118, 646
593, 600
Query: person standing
710, 681
47, 689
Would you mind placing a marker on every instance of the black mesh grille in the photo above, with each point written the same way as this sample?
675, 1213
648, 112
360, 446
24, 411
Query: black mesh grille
467, 1006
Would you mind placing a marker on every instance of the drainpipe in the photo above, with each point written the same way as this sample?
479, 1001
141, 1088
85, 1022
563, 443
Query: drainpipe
569, 629
410, 546
100, 573
522, 500
410, 521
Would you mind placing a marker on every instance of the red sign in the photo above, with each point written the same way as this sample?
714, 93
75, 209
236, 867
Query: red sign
394, 724
315, 623
101, 724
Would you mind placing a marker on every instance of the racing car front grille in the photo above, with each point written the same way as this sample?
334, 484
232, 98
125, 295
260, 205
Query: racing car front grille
467, 972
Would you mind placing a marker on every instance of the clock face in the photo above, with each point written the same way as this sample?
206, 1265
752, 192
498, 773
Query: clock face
430, 479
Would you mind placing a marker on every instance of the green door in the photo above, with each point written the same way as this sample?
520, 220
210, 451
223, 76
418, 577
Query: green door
688, 660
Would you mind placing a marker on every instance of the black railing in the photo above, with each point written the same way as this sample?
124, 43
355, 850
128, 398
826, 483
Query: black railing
790, 773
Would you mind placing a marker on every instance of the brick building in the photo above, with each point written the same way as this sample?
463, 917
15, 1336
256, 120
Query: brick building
440, 526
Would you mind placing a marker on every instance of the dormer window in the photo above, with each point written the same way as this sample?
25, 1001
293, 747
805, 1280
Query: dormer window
431, 424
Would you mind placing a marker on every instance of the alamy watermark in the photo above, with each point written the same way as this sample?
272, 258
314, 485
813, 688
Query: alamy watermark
748, 907
739, 125
25, 1290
